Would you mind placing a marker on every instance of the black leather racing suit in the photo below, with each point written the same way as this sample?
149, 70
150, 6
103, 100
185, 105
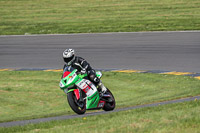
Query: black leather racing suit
81, 64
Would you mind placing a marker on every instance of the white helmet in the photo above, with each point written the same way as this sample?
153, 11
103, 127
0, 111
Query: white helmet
68, 56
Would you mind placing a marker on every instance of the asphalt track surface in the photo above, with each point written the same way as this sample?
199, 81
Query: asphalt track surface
170, 51
33, 121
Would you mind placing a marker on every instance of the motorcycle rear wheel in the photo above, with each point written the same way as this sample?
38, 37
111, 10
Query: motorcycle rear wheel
109, 106
73, 103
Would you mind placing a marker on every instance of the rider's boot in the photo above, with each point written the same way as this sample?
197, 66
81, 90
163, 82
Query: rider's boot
102, 87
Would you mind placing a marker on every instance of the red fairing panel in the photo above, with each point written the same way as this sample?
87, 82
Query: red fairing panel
66, 73
76, 92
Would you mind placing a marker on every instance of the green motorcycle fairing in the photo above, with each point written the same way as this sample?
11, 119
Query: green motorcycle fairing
71, 78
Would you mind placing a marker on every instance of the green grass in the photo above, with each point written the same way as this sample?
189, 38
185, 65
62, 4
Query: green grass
92, 16
36, 94
172, 118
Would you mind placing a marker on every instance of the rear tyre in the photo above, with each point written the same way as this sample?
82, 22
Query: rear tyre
109, 105
74, 103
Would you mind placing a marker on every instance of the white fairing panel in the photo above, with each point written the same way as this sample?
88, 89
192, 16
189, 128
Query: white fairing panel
87, 86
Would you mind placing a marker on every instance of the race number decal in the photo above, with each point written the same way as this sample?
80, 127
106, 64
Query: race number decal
87, 86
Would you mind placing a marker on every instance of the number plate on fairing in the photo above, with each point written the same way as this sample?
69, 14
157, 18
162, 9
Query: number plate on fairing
101, 104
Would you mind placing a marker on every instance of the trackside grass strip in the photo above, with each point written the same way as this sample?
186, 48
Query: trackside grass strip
173, 118
36, 94
89, 16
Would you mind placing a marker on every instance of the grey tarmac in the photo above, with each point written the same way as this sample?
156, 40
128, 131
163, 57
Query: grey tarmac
170, 51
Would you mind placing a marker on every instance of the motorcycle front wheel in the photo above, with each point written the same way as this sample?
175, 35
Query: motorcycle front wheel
73, 102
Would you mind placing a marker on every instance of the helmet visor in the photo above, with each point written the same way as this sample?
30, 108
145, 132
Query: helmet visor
68, 59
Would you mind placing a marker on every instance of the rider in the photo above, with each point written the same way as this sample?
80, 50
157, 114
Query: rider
82, 66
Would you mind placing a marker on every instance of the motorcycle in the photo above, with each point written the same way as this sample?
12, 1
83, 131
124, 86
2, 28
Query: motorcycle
82, 94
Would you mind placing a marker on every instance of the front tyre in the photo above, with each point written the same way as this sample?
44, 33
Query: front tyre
111, 104
74, 103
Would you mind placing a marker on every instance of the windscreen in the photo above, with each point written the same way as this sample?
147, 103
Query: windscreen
68, 68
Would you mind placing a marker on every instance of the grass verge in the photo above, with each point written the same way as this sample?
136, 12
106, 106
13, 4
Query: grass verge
36, 94
89, 16
179, 118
